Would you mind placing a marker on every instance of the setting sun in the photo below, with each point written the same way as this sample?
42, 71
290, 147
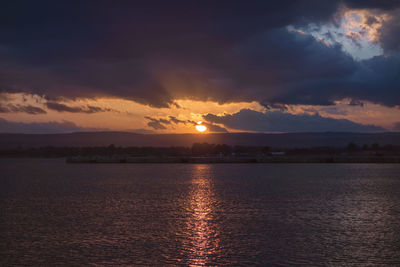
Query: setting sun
201, 128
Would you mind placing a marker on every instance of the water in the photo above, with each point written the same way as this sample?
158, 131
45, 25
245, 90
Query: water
53, 213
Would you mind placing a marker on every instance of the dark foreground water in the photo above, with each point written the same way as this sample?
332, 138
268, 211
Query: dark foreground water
53, 213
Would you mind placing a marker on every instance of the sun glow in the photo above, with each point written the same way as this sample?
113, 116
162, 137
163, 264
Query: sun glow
200, 127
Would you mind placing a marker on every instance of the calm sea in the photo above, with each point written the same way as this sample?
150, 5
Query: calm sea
53, 213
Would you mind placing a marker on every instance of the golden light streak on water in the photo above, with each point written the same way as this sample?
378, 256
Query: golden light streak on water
203, 233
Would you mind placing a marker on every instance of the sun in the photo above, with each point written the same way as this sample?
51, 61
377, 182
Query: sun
200, 127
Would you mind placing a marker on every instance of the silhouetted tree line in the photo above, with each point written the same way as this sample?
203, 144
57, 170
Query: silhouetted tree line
197, 149
213, 149
373, 147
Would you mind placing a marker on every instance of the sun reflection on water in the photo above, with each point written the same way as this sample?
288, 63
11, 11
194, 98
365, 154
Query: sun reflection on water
204, 242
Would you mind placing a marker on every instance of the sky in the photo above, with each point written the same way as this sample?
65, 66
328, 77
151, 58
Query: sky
236, 66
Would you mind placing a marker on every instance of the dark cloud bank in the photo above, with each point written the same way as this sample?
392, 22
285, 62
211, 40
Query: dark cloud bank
277, 121
155, 52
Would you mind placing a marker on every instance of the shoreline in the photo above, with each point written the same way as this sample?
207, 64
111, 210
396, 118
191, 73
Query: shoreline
221, 160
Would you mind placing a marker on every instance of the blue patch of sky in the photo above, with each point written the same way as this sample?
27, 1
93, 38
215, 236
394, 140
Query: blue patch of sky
358, 46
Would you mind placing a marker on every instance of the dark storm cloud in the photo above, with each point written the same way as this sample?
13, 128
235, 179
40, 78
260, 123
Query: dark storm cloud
64, 108
389, 34
156, 52
29, 109
377, 4
276, 121
299, 69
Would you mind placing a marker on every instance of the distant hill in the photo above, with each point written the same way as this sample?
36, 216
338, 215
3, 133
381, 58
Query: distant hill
287, 140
